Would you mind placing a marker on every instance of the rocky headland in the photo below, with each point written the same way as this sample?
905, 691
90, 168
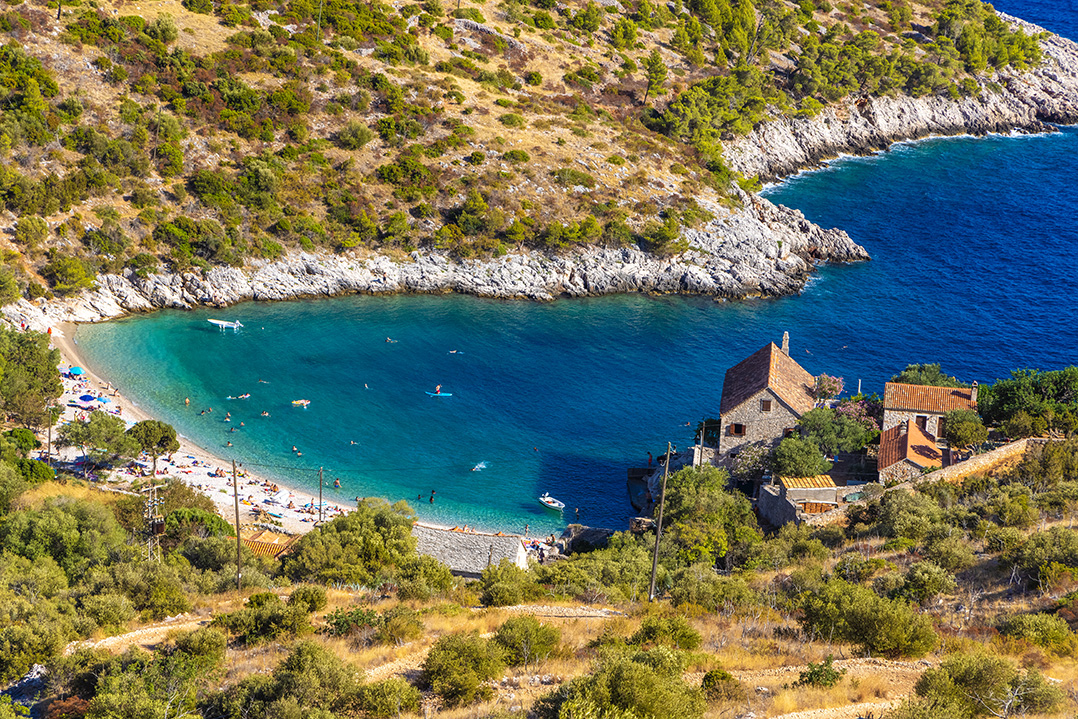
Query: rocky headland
753, 249
758, 249
1009, 101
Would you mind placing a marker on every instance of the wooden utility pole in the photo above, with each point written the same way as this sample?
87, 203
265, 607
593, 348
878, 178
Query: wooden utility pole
236, 499
659, 527
319, 494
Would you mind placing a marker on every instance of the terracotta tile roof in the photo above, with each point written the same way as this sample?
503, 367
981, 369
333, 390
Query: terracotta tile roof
820, 481
914, 444
267, 544
768, 367
922, 398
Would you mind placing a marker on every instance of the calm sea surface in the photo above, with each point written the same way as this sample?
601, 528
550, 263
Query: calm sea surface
974, 247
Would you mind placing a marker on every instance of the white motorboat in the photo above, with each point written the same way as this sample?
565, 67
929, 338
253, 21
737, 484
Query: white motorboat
550, 503
227, 324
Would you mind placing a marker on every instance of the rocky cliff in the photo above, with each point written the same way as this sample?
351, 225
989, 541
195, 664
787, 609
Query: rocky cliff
1009, 101
758, 249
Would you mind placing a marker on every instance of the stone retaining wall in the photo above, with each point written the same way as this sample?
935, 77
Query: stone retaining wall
468, 553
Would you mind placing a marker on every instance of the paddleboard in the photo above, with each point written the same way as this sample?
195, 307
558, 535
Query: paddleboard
440, 394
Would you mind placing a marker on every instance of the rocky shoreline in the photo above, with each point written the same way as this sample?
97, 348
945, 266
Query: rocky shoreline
1025, 102
757, 249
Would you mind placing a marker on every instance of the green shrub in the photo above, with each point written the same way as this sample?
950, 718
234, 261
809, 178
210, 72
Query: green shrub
308, 598
67, 274
354, 135
533, 78
108, 610
672, 631
343, 622
459, 664
1045, 630
853, 613
389, 698
511, 119
399, 625
823, 674
265, 618
355, 546
516, 156
30, 231
571, 177
925, 581
981, 684
642, 684
506, 584
525, 640
700, 585
720, 686
796, 457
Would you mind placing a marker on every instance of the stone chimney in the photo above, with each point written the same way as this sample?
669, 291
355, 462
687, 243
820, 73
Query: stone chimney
786, 344
904, 428
973, 392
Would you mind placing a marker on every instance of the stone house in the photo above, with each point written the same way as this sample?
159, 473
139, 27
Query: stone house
763, 396
924, 405
906, 451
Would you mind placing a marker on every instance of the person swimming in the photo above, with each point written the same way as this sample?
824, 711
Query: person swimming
337, 483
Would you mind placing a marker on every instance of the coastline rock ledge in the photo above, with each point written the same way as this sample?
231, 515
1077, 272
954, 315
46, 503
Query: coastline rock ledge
1010, 100
757, 249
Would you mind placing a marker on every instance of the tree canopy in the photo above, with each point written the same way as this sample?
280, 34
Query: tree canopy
927, 374
355, 547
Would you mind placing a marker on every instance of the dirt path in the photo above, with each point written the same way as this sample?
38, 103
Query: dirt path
147, 637
850, 711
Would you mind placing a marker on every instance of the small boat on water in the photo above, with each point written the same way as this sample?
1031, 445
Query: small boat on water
227, 324
550, 503
301, 403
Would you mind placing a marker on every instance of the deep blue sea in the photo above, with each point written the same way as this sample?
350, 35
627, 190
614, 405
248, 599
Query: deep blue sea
974, 245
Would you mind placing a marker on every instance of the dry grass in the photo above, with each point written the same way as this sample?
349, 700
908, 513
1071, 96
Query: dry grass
37, 496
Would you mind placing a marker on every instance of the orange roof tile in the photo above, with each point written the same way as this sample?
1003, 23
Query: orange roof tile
267, 549
768, 367
820, 481
922, 398
913, 444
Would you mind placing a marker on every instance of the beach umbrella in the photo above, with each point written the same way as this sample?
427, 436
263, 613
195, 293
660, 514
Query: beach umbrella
87, 398
103, 400
77, 371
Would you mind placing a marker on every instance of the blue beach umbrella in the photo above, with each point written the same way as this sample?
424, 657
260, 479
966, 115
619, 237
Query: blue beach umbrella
76, 371
87, 398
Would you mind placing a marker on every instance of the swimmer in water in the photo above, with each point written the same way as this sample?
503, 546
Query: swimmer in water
293, 448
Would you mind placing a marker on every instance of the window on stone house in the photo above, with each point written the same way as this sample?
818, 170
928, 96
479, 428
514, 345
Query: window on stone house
737, 430
922, 421
940, 427
765, 405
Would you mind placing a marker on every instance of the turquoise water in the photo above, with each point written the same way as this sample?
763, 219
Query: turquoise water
974, 247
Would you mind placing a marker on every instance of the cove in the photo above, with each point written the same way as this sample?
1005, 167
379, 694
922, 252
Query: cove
973, 247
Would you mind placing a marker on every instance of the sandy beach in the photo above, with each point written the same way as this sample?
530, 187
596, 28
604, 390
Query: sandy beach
201, 470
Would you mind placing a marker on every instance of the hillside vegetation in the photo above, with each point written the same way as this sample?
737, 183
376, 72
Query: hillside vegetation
215, 132
976, 580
